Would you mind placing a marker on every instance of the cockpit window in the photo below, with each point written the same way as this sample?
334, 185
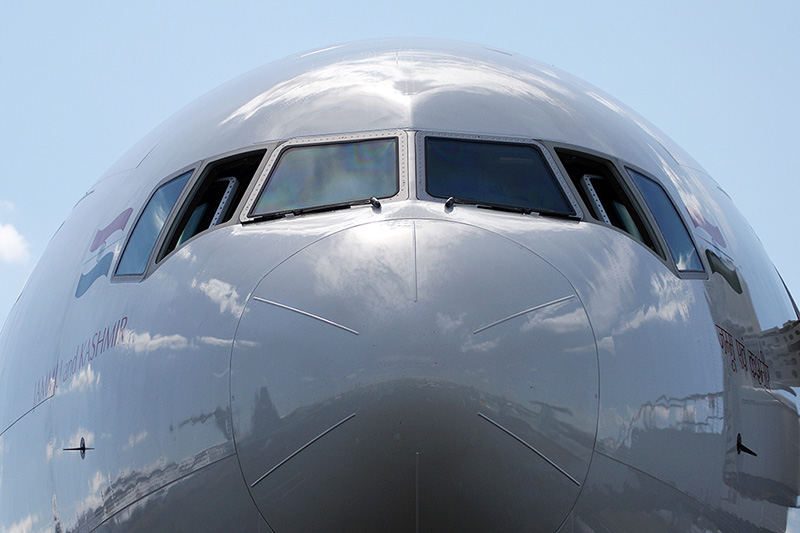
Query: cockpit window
605, 194
151, 222
330, 174
499, 174
214, 198
675, 233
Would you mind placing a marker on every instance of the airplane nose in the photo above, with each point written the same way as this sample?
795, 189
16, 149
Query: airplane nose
414, 375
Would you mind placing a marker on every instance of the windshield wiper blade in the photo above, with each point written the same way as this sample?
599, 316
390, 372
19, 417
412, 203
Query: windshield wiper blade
319, 209
508, 208
558, 214
450, 202
373, 201
299, 211
266, 216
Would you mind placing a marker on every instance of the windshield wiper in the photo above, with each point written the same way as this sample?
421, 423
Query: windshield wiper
558, 214
450, 202
296, 212
319, 209
316, 209
266, 216
507, 208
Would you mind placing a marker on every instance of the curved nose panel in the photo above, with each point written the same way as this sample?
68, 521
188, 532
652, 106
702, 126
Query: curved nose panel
414, 374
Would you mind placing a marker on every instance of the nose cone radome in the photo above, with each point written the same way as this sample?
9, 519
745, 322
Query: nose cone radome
414, 374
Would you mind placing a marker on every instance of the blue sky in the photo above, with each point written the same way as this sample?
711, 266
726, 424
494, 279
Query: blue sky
83, 81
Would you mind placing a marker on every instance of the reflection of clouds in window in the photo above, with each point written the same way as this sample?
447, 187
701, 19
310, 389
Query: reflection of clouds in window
685, 260
145, 233
160, 215
668, 219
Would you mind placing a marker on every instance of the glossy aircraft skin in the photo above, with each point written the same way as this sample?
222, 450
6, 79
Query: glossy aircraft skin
405, 365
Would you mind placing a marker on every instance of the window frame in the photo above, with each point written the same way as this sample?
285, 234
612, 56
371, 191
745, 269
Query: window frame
196, 182
613, 166
620, 168
686, 274
166, 228
421, 178
260, 182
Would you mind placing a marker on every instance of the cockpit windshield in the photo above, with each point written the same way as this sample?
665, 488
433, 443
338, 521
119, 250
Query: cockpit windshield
494, 174
330, 174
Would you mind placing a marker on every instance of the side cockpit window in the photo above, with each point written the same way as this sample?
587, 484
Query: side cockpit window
605, 195
145, 234
215, 197
672, 227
